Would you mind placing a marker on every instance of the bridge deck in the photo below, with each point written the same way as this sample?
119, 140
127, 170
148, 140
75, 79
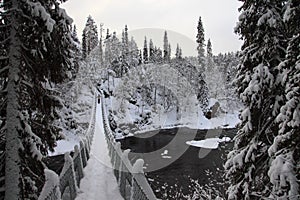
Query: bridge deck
99, 182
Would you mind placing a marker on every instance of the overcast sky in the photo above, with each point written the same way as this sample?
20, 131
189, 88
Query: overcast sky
219, 17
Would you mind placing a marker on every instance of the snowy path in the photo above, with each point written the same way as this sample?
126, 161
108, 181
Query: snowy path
99, 182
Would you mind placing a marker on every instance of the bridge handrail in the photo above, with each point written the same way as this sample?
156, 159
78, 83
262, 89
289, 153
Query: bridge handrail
72, 171
131, 179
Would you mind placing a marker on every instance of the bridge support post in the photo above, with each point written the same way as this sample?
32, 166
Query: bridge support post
68, 178
137, 170
122, 175
83, 153
118, 154
78, 164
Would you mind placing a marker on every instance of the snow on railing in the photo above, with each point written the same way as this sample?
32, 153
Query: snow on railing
72, 171
132, 182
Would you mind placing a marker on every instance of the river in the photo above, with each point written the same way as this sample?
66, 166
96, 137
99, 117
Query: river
172, 166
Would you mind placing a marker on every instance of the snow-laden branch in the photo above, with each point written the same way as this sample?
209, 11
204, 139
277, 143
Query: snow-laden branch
38, 10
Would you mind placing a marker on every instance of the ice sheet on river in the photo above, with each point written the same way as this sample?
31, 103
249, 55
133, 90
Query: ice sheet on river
208, 143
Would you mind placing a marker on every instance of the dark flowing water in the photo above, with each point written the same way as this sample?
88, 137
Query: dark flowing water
172, 171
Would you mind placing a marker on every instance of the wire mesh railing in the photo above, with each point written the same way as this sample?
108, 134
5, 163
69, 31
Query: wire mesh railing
132, 182
72, 172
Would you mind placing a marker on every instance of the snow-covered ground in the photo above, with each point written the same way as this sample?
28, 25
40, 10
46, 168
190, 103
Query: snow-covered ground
82, 113
192, 118
134, 115
99, 182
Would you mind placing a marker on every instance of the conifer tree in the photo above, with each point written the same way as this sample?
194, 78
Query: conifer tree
140, 57
200, 41
74, 34
84, 44
101, 44
133, 53
169, 52
285, 150
145, 51
90, 33
178, 53
249, 164
33, 57
166, 48
151, 51
209, 56
126, 40
157, 55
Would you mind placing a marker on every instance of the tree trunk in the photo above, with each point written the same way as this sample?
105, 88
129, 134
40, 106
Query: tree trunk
12, 168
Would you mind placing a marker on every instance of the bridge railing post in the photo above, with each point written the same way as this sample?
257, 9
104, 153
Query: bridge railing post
83, 153
68, 178
78, 166
52, 181
118, 161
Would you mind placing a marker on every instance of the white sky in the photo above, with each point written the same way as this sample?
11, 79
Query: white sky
219, 18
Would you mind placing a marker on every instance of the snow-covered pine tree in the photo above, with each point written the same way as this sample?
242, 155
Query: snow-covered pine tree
133, 53
76, 51
169, 52
84, 44
200, 41
126, 40
118, 64
140, 58
209, 55
178, 54
129, 52
145, 51
91, 34
29, 105
74, 34
284, 172
151, 51
158, 55
261, 27
62, 50
166, 48
101, 45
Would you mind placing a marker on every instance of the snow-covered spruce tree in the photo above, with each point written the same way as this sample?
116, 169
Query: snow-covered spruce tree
74, 34
90, 33
166, 48
29, 110
140, 57
129, 51
195, 78
84, 44
133, 53
114, 55
177, 54
151, 51
145, 51
200, 41
76, 51
261, 27
284, 172
101, 57
126, 40
209, 56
